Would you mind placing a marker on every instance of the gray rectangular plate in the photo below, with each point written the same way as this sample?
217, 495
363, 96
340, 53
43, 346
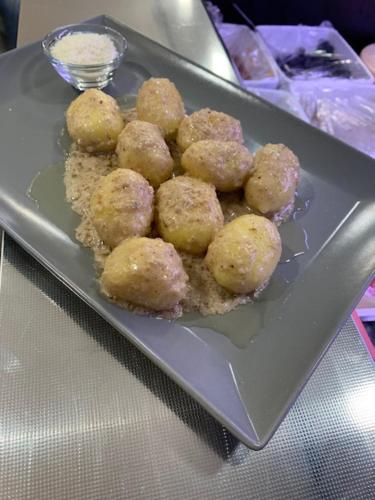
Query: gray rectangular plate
246, 367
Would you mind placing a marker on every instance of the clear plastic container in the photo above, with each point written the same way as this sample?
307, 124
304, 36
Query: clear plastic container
286, 40
346, 113
282, 99
253, 63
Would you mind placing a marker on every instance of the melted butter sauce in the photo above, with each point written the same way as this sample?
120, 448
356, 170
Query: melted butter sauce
294, 236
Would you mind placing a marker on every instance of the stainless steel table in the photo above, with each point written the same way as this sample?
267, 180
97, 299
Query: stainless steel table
84, 415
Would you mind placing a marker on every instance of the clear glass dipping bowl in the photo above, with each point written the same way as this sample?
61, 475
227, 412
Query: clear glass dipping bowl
85, 76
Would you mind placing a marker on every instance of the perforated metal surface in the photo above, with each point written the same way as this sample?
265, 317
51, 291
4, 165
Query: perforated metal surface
84, 415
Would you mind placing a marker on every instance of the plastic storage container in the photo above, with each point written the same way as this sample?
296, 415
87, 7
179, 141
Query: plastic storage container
346, 113
282, 99
252, 60
286, 40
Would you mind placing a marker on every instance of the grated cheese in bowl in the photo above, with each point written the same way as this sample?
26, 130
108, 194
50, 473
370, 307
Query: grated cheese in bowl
84, 48
85, 55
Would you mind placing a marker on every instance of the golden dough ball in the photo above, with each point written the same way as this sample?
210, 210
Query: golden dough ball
141, 147
188, 213
208, 124
274, 179
122, 206
223, 164
159, 102
145, 272
94, 121
245, 253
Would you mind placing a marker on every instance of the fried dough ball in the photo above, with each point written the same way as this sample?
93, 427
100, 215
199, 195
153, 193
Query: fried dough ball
274, 179
223, 164
94, 121
141, 147
159, 102
188, 213
245, 253
122, 206
145, 272
208, 124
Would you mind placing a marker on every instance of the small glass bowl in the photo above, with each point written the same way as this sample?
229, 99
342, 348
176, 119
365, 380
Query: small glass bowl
85, 76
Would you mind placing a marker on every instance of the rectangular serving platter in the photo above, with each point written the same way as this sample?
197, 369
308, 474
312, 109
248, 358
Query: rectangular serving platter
248, 366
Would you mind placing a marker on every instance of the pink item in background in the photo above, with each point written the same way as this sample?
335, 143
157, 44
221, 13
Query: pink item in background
368, 57
365, 336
